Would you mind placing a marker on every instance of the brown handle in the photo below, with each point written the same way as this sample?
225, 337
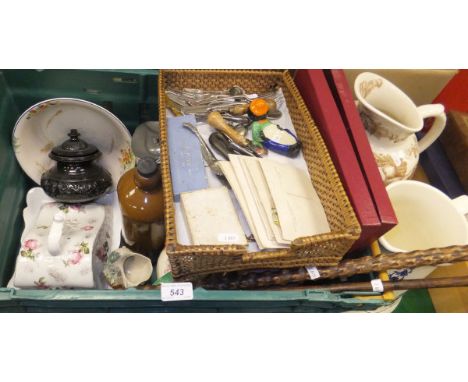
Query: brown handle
272, 106
216, 120
239, 109
401, 260
443, 282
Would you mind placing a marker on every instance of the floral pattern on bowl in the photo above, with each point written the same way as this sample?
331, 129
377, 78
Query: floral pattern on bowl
40, 107
47, 124
127, 159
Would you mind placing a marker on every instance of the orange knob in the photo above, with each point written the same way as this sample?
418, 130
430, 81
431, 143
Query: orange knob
259, 107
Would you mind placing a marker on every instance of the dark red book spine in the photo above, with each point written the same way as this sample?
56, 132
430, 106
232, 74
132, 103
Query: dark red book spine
344, 99
318, 97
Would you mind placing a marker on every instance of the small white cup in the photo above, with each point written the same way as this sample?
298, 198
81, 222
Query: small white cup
427, 218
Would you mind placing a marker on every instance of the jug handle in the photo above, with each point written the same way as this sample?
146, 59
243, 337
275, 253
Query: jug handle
461, 204
428, 111
55, 233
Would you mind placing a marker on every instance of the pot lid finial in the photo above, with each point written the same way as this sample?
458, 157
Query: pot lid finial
74, 147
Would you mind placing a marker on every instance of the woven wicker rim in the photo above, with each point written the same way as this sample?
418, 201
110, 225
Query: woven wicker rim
264, 258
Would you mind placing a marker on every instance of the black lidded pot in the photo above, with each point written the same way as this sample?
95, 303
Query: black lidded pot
75, 178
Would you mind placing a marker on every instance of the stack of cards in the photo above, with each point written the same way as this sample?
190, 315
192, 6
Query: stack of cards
211, 217
279, 201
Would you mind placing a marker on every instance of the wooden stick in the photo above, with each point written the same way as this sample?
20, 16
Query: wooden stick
383, 275
367, 264
443, 282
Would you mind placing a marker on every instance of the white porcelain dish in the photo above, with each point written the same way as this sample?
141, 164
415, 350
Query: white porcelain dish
47, 123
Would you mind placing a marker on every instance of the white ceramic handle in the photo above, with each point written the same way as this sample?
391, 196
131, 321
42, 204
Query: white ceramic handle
461, 204
428, 111
55, 233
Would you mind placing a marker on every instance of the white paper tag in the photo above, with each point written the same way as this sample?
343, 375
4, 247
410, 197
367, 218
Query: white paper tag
313, 272
176, 291
252, 96
228, 237
377, 285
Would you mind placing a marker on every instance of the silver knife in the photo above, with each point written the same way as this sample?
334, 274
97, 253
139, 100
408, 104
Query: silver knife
207, 154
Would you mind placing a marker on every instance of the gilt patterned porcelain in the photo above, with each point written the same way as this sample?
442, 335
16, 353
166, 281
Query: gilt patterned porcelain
46, 125
392, 120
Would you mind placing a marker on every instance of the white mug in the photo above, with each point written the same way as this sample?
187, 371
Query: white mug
427, 218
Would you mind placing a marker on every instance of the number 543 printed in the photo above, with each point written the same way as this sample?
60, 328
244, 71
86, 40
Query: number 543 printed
176, 291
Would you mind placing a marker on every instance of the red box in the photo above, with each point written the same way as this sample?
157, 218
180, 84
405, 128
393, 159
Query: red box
344, 98
332, 107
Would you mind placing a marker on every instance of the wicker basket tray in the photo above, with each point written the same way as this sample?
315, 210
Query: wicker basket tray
322, 250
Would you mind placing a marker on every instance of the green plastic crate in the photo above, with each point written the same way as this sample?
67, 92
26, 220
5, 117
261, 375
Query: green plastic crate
132, 96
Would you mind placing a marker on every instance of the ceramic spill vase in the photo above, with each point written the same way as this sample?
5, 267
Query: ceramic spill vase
126, 269
142, 205
75, 178
391, 120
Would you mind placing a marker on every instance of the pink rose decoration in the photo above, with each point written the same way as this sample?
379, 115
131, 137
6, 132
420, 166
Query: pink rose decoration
76, 258
31, 244
87, 228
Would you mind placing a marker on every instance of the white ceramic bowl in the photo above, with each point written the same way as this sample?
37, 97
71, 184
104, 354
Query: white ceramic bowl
427, 218
47, 123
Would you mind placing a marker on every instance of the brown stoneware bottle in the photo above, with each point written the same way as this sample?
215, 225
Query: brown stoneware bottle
142, 205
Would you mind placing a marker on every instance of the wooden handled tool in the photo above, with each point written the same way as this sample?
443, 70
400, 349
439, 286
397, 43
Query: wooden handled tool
367, 264
239, 109
272, 106
216, 120
443, 282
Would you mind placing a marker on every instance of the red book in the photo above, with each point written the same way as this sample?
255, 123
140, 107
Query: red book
318, 97
344, 99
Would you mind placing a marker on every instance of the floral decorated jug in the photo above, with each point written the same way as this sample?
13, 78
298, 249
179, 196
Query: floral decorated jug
392, 120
